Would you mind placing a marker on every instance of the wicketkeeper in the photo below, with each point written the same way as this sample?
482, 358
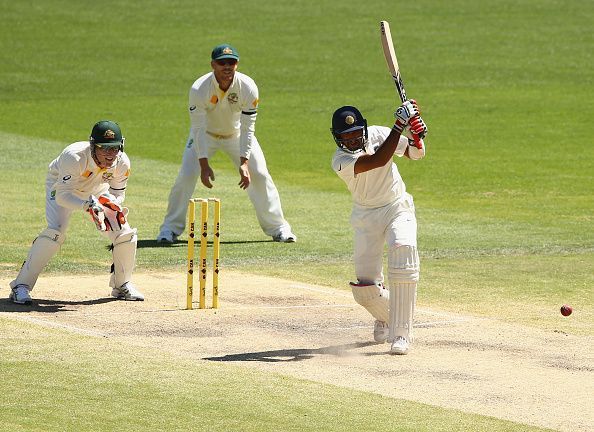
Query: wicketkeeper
383, 213
90, 176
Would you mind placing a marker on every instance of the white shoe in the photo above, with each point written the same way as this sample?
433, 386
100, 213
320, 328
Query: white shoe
399, 346
285, 237
127, 292
380, 331
20, 294
167, 238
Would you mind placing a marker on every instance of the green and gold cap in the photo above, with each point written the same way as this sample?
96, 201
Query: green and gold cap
106, 132
224, 51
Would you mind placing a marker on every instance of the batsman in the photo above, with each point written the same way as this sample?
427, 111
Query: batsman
90, 176
383, 213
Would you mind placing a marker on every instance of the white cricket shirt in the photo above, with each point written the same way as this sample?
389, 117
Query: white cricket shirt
74, 176
223, 113
377, 187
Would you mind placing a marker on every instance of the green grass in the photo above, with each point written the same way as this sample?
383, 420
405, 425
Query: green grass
504, 197
78, 383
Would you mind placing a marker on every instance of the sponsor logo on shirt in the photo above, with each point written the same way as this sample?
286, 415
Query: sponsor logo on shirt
192, 108
66, 178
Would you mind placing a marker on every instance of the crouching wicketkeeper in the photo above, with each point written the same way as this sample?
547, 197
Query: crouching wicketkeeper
91, 176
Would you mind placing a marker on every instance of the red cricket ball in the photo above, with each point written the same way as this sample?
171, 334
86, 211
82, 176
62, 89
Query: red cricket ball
566, 310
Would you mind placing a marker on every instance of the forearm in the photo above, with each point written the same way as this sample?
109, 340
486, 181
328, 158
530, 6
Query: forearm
69, 200
247, 129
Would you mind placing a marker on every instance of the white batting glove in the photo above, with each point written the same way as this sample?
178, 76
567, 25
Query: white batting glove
404, 114
93, 207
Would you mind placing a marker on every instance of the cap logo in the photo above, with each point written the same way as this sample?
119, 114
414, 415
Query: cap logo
109, 134
227, 50
349, 119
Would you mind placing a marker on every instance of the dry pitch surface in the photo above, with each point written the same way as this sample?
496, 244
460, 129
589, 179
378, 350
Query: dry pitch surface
477, 365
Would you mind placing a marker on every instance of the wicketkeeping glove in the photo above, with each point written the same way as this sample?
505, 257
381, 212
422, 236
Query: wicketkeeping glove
120, 216
96, 211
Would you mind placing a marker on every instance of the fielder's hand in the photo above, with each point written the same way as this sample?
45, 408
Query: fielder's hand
404, 114
96, 211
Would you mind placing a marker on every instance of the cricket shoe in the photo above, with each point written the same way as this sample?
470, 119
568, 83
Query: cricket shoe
20, 295
399, 346
127, 292
380, 331
167, 238
285, 237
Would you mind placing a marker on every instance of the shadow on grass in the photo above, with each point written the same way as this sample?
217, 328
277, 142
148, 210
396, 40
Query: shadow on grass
291, 355
50, 306
183, 243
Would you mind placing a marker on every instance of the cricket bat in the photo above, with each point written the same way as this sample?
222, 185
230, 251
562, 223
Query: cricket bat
394, 69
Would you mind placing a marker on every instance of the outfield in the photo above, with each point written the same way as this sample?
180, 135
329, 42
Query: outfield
504, 197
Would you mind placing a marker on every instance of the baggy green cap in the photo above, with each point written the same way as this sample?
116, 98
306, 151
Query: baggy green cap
224, 51
106, 132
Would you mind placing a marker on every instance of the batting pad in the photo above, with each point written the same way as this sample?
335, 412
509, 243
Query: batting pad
124, 258
403, 297
374, 298
44, 247
403, 269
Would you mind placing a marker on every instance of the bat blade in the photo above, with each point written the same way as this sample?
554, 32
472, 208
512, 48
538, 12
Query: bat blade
391, 60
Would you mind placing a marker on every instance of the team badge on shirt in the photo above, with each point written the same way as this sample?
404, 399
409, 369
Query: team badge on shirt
106, 176
233, 98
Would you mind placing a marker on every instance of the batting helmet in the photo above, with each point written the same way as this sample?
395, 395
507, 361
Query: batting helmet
349, 119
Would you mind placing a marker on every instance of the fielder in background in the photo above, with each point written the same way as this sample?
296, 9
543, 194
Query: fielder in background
89, 176
383, 212
223, 107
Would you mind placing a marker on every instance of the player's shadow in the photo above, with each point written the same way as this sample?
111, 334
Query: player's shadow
183, 243
292, 355
51, 306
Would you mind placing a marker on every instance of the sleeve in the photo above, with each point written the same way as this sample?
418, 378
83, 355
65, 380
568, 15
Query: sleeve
197, 111
402, 146
118, 183
343, 165
69, 177
249, 112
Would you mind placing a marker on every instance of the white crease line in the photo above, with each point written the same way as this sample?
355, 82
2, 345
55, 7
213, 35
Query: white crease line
415, 325
295, 307
328, 291
45, 323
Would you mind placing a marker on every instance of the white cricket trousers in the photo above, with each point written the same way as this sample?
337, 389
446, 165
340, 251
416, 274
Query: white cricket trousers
262, 192
393, 225
48, 243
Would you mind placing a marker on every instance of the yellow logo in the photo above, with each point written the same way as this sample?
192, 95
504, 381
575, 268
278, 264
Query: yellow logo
227, 50
109, 134
349, 119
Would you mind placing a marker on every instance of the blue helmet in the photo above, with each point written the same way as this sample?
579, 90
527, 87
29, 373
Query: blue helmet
349, 119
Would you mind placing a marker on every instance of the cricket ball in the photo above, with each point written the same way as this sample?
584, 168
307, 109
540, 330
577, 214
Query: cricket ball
566, 310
